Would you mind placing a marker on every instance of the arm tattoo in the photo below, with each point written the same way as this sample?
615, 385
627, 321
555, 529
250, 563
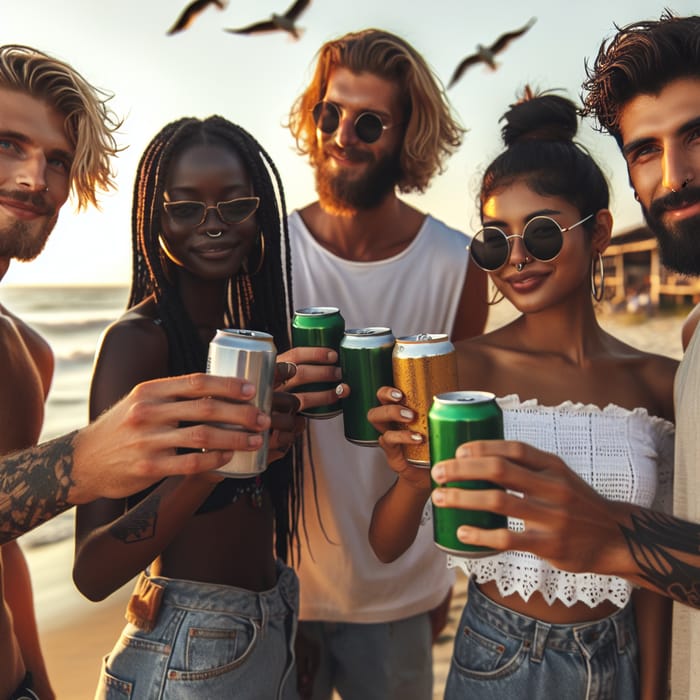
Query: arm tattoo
34, 485
139, 523
667, 551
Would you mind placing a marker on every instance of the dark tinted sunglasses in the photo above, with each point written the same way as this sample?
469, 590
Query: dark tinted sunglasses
541, 236
368, 125
233, 211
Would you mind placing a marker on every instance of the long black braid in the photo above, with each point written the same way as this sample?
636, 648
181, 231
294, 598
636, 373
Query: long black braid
259, 301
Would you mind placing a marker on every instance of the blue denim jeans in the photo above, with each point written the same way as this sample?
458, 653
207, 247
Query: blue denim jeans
207, 642
501, 654
373, 661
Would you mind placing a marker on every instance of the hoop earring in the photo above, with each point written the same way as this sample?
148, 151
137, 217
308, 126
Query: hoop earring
495, 299
597, 292
261, 258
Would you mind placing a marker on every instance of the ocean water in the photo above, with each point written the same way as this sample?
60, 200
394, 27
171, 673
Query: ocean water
72, 320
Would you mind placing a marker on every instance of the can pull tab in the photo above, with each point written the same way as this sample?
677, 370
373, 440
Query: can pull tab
423, 336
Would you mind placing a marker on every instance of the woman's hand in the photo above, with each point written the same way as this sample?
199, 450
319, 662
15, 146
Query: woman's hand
303, 365
389, 420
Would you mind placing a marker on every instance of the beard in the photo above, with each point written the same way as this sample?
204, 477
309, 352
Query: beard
24, 240
679, 242
341, 194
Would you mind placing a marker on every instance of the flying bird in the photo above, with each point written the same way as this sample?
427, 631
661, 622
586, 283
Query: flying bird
192, 11
277, 22
487, 54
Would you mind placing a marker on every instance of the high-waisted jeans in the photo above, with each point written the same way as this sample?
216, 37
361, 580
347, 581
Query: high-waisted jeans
204, 641
502, 654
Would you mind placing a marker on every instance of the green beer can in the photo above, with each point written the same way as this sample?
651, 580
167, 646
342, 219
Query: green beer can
454, 418
365, 359
318, 326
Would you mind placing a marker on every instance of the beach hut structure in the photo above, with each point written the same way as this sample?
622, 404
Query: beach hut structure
635, 276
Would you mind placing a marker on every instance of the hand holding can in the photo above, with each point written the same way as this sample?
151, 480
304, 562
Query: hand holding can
319, 326
423, 365
248, 355
454, 418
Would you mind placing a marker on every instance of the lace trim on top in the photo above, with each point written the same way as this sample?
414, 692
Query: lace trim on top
625, 455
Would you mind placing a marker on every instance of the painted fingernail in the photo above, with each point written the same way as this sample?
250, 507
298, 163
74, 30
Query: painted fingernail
339, 390
407, 413
416, 437
396, 395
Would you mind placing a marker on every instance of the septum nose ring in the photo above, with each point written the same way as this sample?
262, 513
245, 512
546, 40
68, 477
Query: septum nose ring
519, 266
214, 234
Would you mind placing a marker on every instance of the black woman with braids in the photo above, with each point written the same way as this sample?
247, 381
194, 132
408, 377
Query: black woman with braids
213, 613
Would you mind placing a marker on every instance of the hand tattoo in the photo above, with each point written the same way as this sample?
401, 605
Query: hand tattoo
34, 486
667, 551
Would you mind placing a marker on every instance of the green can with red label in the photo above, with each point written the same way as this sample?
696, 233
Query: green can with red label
454, 418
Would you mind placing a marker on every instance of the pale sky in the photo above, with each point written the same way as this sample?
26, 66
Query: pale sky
252, 80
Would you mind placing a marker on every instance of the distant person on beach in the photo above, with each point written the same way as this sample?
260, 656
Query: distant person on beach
644, 89
528, 629
56, 137
374, 121
214, 610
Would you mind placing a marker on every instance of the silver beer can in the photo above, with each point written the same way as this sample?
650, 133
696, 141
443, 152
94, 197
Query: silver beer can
248, 355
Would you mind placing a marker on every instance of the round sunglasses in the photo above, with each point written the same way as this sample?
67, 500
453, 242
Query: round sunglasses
232, 211
541, 236
368, 125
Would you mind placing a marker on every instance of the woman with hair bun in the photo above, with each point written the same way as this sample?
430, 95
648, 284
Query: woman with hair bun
567, 386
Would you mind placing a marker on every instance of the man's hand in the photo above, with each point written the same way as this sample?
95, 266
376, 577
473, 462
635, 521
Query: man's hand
566, 521
135, 443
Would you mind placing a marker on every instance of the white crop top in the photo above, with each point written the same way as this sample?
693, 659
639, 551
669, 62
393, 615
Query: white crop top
625, 455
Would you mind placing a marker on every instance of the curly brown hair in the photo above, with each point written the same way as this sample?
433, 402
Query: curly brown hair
431, 133
89, 122
641, 59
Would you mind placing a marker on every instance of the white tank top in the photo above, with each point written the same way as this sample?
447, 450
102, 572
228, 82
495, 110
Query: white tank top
685, 671
417, 290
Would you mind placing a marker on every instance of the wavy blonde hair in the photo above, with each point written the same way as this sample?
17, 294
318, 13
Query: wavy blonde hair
89, 122
431, 133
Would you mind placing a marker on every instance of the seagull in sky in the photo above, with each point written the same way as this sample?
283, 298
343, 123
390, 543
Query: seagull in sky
487, 54
192, 11
284, 22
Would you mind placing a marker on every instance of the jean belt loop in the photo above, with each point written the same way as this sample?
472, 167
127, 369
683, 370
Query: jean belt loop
621, 624
539, 641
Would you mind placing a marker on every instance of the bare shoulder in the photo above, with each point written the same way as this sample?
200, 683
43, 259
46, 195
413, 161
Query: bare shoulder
132, 350
12, 329
477, 359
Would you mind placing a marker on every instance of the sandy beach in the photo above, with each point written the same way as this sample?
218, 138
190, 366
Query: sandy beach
76, 633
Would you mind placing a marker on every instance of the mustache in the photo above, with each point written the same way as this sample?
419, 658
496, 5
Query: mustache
37, 200
351, 153
674, 200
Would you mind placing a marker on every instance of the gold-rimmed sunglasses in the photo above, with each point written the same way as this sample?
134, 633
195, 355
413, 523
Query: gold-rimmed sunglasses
191, 213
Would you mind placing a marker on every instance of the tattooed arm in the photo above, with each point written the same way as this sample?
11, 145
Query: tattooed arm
568, 523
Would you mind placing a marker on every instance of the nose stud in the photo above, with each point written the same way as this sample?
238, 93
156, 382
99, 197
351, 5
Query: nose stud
519, 266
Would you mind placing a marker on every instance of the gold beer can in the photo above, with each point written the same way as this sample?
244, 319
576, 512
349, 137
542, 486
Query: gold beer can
424, 365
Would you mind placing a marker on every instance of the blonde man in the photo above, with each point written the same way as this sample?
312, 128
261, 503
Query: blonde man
57, 137
374, 122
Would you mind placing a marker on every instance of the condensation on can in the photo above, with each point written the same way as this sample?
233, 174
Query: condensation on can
424, 364
247, 355
318, 326
454, 418
366, 363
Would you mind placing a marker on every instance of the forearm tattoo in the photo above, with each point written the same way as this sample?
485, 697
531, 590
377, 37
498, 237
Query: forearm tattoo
667, 551
140, 523
34, 485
